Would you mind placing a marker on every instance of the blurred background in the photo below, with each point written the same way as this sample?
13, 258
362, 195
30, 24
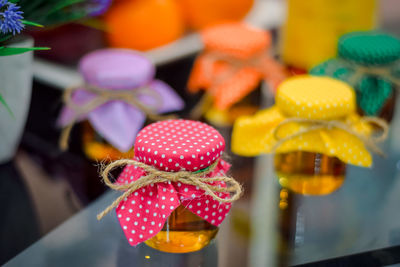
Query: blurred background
42, 186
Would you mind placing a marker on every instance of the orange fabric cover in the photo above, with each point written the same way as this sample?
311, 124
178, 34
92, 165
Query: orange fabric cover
233, 63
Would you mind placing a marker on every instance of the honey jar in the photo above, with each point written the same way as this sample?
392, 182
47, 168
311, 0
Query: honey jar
368, 61
118, 94
314, 131
176, 189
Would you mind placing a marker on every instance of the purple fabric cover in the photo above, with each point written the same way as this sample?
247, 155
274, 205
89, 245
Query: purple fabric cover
119, 69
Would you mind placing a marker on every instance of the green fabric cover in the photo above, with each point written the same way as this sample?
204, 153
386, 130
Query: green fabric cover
367, 49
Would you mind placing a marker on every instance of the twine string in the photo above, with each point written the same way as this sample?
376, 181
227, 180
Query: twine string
383, 71
314, 124
154, 176
103, 96
259, 61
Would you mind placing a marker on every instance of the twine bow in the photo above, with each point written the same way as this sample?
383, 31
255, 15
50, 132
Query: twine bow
258, 62
369, 142
383, 71
154, 175
103, 96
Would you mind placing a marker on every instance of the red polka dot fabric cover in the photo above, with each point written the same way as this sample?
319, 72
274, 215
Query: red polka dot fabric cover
172, 145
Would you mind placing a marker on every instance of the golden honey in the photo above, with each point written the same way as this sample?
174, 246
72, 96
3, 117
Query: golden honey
309, 173
183, 232
96, 148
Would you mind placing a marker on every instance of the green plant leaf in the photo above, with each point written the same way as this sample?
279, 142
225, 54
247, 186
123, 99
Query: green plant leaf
30, 7
53, 12
2, 101
60, 17
5, 37
64, 4
30, 23
8, 51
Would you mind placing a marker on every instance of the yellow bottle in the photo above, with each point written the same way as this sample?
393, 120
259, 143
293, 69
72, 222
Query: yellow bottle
313, 27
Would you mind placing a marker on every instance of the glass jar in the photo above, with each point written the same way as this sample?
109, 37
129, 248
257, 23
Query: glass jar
115, 82
313, 130
171, 216
231, 70
367, 61
183, 232
309, 173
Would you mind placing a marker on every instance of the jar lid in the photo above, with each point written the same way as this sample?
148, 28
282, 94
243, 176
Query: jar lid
236, 39
369, 48
315, 97
116, 69
176, 145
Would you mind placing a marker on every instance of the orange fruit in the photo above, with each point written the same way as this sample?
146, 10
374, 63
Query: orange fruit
143, 24
203, 13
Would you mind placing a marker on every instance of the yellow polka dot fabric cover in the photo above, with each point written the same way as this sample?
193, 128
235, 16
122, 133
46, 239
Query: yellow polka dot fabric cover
319, 98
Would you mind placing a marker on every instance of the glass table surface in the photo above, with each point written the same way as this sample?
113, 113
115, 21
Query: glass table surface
358, 222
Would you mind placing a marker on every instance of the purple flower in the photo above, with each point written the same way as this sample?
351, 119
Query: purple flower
97, 7
10, 18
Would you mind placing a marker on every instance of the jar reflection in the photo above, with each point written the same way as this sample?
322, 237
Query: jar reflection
143, 255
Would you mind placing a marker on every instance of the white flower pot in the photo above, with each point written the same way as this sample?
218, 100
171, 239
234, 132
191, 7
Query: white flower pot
15, 87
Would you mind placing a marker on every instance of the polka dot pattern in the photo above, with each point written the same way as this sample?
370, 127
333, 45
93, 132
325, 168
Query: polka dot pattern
143, 214
239, 85
226, 90
226, 81
369, 48
116, 68
236, 39
176, 145
314, 97
254, 135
